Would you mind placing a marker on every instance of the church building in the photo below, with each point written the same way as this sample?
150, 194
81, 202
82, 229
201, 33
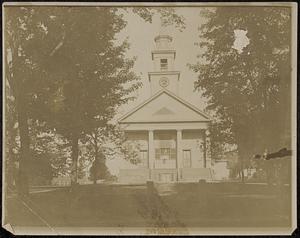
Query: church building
171, 135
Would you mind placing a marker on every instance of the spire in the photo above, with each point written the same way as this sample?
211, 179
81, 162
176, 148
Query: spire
163, 39
163, 29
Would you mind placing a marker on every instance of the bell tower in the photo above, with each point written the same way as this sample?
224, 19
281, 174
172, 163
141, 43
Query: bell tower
163, 56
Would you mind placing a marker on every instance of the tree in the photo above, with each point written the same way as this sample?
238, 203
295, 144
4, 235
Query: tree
46, 145
92, 70
64, 68
85, 70
167, 15
99, 170
95, 76
48, 150
248, 88
100, 144
12, 146
24, 31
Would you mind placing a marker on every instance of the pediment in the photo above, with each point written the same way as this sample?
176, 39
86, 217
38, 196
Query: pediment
165, 107
164, 111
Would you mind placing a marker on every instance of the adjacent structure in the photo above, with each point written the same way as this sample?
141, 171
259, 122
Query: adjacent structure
170, 135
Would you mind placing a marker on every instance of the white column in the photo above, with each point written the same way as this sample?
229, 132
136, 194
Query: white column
179, 153
150, 150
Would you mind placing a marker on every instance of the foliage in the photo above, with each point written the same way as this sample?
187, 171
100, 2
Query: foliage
221, 140
64, 68
99, 170
12, 146
80, 71
48, 151
167, 15
47, 144
247, 89
99, 145
90, 68
22, 31
276, 171
131, 150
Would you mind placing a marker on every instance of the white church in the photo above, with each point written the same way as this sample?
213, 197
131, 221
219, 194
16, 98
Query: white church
171, 134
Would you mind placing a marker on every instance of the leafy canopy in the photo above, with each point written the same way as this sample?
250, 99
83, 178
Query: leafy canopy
247, 89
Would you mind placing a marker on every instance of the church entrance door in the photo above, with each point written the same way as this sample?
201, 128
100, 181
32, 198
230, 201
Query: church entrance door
165, 158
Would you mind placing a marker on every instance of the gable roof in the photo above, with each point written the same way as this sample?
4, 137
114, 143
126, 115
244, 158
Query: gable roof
198, 115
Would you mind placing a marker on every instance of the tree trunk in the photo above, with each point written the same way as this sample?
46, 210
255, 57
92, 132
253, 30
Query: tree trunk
96, 157
242, 169
75, 139
241, 163
14, 78
96, 145
22, 177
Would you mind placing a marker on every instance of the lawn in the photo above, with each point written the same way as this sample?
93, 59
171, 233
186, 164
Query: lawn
187, 205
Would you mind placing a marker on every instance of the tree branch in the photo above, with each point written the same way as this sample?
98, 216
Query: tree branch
59, 45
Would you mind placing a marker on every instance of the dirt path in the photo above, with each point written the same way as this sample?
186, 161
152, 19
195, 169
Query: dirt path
160, 218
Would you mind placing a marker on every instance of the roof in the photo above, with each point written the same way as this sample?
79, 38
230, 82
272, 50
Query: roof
165, 106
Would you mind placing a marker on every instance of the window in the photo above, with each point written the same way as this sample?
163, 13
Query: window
144, 158
187, 159
165, 153
163, 64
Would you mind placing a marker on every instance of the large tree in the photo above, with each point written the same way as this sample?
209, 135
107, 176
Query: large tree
247, 88
64, 68
12, 146
24, 32
92, 72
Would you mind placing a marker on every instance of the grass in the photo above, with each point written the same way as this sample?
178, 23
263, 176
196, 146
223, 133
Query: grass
191, 205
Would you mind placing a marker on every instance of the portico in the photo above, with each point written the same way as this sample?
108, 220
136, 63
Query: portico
170, 152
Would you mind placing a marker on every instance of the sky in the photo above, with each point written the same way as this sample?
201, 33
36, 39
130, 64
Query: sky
141, 34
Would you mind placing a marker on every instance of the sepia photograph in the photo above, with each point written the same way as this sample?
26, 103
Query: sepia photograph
149, 118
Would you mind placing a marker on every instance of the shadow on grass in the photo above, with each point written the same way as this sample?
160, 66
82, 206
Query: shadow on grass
191, 205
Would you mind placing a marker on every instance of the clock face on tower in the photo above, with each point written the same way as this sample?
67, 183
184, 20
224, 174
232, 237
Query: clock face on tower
164, 82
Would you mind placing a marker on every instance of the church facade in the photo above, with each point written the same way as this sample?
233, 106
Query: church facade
170, 135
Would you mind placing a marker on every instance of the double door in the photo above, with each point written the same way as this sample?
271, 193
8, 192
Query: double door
165, 158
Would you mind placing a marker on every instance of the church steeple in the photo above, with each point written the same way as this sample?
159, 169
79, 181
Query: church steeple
163, 58
163, 40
